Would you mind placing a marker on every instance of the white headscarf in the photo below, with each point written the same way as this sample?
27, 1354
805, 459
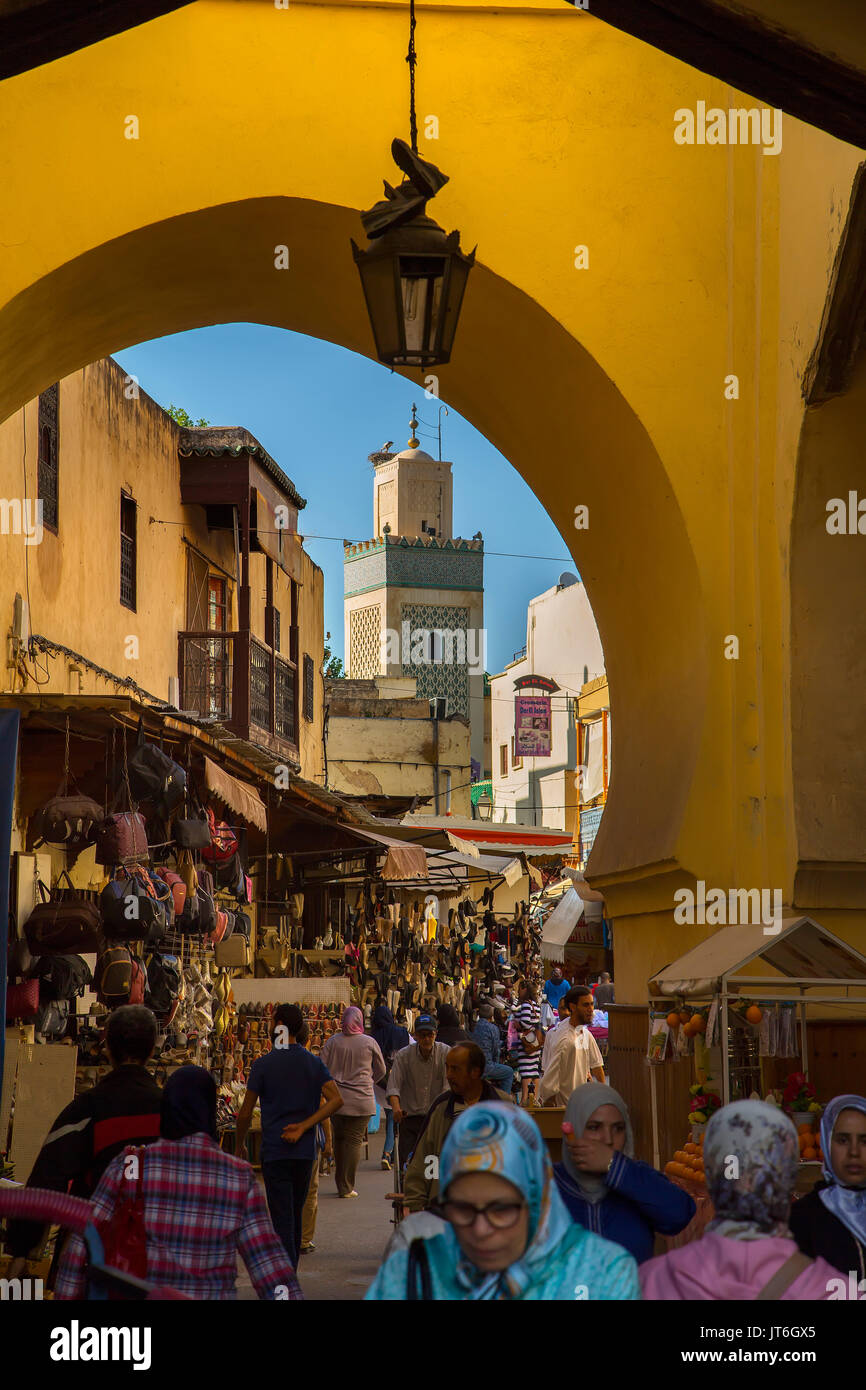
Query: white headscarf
751, 1157
846, 1203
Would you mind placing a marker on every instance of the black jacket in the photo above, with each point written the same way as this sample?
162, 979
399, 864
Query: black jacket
124, 1108
821, 1234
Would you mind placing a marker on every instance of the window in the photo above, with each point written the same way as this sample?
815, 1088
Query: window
128, 558
217, 606
49, 440
276, 630
503, 759
515, 761
309, 687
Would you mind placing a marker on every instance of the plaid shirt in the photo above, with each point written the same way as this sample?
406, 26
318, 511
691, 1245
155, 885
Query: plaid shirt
201, 1207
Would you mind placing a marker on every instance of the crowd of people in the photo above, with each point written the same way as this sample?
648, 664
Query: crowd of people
485, 1213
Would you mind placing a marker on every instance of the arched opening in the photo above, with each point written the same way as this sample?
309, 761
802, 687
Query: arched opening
551, 411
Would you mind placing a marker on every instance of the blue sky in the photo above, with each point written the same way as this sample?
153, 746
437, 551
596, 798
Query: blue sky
319, 410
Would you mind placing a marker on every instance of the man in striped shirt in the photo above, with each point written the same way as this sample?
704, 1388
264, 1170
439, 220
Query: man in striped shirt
124, 1108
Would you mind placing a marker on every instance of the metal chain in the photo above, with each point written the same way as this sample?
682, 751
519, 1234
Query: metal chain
412, 59
66, 761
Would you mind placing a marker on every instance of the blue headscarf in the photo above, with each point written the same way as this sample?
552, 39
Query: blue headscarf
492, 1137
846, 1203
189, 1104
386, 1032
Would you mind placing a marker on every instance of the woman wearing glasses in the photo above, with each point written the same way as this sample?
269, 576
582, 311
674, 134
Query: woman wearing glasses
503, 1231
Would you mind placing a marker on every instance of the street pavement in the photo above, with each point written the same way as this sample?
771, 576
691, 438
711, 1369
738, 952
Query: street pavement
350, 1235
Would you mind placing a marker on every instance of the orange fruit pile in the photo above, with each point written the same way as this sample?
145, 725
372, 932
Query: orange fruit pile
810, 1144
688, 1163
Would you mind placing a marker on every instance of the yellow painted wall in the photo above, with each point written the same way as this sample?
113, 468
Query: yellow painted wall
604, 386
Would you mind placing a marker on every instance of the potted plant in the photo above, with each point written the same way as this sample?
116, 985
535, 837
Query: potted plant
701, 1106
798, 1097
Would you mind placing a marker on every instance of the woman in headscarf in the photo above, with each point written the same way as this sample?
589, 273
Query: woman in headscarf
391, 1039
504, 1232
449, 1030
356, 1064
831, 1220
202, 1207
604, 1186
747, 1251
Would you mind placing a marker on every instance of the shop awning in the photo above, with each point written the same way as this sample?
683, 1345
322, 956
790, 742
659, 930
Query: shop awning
243, 799
560, 924
405, 861
802, 951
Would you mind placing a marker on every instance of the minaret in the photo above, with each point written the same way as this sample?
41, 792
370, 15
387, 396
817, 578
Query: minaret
414, 577
412, 492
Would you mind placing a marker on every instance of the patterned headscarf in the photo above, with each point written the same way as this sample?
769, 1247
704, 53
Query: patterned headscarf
352, 1021
846, 1203
750, 1156
492, 1137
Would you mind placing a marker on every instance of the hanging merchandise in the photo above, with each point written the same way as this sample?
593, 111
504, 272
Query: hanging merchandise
193, 833
223, 841
155, 777
65, 923
67, 820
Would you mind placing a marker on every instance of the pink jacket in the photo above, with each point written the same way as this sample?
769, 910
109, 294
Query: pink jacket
716, 1267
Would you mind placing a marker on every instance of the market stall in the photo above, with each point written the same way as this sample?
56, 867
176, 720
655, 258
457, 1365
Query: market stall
736, 1010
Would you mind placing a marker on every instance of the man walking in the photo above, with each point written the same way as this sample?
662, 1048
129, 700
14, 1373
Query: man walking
466, 1086
555, 987
290, 1082
488, 1038
604, 994
124, 1108
417, 1077
574, 1054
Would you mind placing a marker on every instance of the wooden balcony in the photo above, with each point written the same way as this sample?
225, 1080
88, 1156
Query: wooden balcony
237, 680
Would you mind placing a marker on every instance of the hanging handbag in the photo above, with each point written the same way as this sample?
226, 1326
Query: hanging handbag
193, 833
66, 820
61, 977
66, 924
121, 836
114, 976
223, 842
22, 1001
233, 954
155, 777
124, 1233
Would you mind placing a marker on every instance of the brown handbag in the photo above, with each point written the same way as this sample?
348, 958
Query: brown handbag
67, 924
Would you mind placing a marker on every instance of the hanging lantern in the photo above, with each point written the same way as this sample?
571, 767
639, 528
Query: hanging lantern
414, 278
413, 274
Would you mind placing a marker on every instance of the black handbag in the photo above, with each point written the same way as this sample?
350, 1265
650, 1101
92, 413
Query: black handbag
418, 1283
192, 834
155, 777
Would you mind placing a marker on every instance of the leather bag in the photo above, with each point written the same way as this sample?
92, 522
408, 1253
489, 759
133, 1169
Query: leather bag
67, 924
192, 834
22, 1001
67, 820
232, 954
121, 836
157, 778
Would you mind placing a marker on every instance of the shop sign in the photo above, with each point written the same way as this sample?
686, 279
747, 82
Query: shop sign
532, 734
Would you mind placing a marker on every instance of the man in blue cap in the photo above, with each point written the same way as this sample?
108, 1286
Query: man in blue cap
416, 1078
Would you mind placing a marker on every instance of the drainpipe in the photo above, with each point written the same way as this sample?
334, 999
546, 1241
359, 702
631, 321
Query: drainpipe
436, 762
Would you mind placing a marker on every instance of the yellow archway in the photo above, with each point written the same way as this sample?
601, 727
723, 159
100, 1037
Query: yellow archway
603, 378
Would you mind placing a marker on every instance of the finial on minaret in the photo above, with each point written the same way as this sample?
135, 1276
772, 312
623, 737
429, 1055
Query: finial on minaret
414, 442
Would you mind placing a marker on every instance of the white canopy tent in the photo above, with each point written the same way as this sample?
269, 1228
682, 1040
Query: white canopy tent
803, 954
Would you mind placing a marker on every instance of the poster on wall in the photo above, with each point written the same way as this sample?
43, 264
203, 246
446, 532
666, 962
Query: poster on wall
532, 736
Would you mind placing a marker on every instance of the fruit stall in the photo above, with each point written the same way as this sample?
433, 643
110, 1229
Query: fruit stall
737, 1008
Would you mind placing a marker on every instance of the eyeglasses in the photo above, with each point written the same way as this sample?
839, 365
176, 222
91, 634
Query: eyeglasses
501, 1215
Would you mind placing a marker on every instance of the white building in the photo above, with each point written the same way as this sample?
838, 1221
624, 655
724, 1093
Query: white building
563, 645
